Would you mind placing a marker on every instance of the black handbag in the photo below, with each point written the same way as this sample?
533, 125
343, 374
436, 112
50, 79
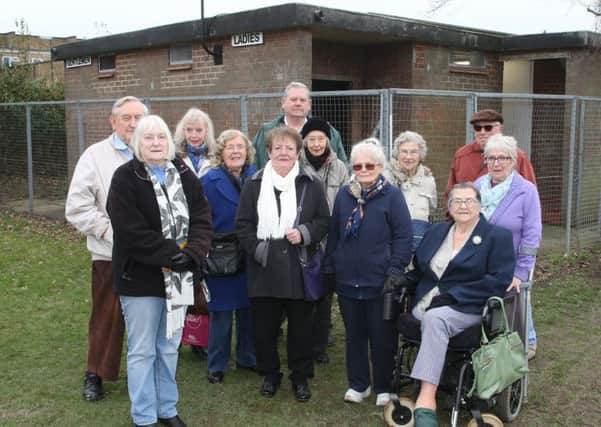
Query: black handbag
225, 258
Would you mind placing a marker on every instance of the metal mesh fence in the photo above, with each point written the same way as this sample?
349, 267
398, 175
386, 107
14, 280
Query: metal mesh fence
41, 142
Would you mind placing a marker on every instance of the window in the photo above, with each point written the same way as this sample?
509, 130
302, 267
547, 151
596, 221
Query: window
181, 54
464, 59
106, 63
9, 61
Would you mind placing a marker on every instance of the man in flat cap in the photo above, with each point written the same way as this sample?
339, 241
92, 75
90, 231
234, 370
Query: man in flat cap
468, 162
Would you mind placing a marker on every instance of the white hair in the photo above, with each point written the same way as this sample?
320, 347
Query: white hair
409, 136
499, 142
372, 147
144, 125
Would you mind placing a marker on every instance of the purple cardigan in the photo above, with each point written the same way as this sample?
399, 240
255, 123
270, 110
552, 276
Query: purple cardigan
519, 212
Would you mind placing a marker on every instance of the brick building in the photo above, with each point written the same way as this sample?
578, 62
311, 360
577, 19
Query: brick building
262, 50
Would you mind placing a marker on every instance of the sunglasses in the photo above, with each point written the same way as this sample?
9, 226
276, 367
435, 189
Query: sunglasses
368, 166
487, 128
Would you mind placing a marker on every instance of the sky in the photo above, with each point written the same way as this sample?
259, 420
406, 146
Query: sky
92, 19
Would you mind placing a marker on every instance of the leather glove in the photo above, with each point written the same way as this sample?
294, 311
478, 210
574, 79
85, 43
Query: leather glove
441, 300
181, 262
393, 283
330, 280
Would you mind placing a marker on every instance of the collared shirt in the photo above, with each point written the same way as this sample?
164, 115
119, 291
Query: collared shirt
122, 146
299, 129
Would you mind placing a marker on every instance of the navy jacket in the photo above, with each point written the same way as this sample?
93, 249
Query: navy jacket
482, 268
382, 247
229, 292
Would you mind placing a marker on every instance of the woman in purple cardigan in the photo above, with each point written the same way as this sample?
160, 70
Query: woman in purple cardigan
512, 202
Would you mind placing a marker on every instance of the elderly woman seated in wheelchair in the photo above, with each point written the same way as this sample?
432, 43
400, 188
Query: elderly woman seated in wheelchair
459, 265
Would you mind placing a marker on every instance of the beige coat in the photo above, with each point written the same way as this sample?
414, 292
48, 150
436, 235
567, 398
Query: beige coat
419, 190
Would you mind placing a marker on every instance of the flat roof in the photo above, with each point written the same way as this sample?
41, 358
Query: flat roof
325, 24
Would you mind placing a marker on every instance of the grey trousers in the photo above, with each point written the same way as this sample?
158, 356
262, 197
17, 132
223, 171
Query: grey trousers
438, 325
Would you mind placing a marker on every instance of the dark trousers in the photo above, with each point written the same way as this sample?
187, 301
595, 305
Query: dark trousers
366, 331
266, 314
322, 323
106, 326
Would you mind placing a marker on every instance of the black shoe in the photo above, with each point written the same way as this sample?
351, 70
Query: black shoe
172, 422
269, 388
201, 352
248, 368
215, 377
92, 387
322, 358
302, 393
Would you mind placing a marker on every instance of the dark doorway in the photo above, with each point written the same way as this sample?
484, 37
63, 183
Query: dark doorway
334, 109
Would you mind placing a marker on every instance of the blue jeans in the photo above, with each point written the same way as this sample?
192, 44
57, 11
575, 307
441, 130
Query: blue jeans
151, 359
220, 339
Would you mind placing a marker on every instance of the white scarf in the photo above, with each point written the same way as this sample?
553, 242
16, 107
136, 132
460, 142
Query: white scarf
272, 226
175, 222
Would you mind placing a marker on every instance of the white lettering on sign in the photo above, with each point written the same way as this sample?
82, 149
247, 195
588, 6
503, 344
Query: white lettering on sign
80, 61
247, 39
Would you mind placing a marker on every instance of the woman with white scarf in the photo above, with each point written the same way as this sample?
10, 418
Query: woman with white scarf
162, 230
274, 238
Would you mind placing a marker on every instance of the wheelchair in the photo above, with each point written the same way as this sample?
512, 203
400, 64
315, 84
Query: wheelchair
457, 375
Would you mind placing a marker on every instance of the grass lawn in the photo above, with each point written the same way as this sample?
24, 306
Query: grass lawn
44, 308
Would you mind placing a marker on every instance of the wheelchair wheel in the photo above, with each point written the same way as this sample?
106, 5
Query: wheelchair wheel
399, 413
509, 401
490, 420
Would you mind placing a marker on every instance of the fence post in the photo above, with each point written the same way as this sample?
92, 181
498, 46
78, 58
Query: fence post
29, 159
580, 169
148, 104
386, 120
244, 114
471, 105
571, 176
82, 144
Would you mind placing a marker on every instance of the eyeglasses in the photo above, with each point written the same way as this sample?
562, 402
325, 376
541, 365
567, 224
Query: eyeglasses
500, 159
409, 152
127, 118
368, 166
317, 139
487, 128
470, 202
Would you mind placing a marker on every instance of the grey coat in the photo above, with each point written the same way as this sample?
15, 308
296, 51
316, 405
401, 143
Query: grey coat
333, 174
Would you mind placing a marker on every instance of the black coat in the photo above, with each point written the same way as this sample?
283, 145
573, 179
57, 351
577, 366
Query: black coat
282, 275
139, 248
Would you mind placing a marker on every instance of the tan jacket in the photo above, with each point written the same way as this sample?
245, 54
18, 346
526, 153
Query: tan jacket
419, 190
85, 208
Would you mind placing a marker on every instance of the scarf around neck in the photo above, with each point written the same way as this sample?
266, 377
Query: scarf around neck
175, 222
492, 196
272, 225
353, 223
317, 161
197, 155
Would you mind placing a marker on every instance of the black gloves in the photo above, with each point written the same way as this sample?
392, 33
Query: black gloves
181, 262
442, 300
393, 283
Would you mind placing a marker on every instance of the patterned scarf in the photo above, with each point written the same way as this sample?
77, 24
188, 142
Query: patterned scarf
197, 155
175, 222
492, 196
353, 223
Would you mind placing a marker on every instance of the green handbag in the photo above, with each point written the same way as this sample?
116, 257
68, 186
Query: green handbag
498, 363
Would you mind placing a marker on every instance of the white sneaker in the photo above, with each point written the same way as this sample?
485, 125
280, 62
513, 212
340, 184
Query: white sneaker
354, 396
382, 399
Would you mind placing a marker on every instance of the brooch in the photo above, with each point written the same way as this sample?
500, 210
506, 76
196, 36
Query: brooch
477, 240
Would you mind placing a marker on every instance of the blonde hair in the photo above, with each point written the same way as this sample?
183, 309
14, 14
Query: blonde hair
194, 115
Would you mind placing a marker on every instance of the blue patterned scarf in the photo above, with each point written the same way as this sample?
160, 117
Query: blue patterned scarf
197, 154
353, 223
492, 195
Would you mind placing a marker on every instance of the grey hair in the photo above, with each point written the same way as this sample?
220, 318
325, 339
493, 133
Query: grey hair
373, 147
464, 186
145, 124
226, 136
410, 136
194, 115
501, 142
122, 101
296, 85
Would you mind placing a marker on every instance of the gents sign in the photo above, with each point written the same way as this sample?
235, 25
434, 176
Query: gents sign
247, 39
80, 61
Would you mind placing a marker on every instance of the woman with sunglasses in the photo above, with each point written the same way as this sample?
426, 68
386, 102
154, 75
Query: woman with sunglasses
369, 246
512, 202
407, 171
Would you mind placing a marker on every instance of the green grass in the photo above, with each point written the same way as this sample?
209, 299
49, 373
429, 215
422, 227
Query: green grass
44, 309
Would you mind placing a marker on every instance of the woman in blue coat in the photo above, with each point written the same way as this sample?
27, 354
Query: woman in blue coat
222, 183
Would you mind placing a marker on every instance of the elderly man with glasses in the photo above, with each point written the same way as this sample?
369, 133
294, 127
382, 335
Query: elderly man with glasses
468, 162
